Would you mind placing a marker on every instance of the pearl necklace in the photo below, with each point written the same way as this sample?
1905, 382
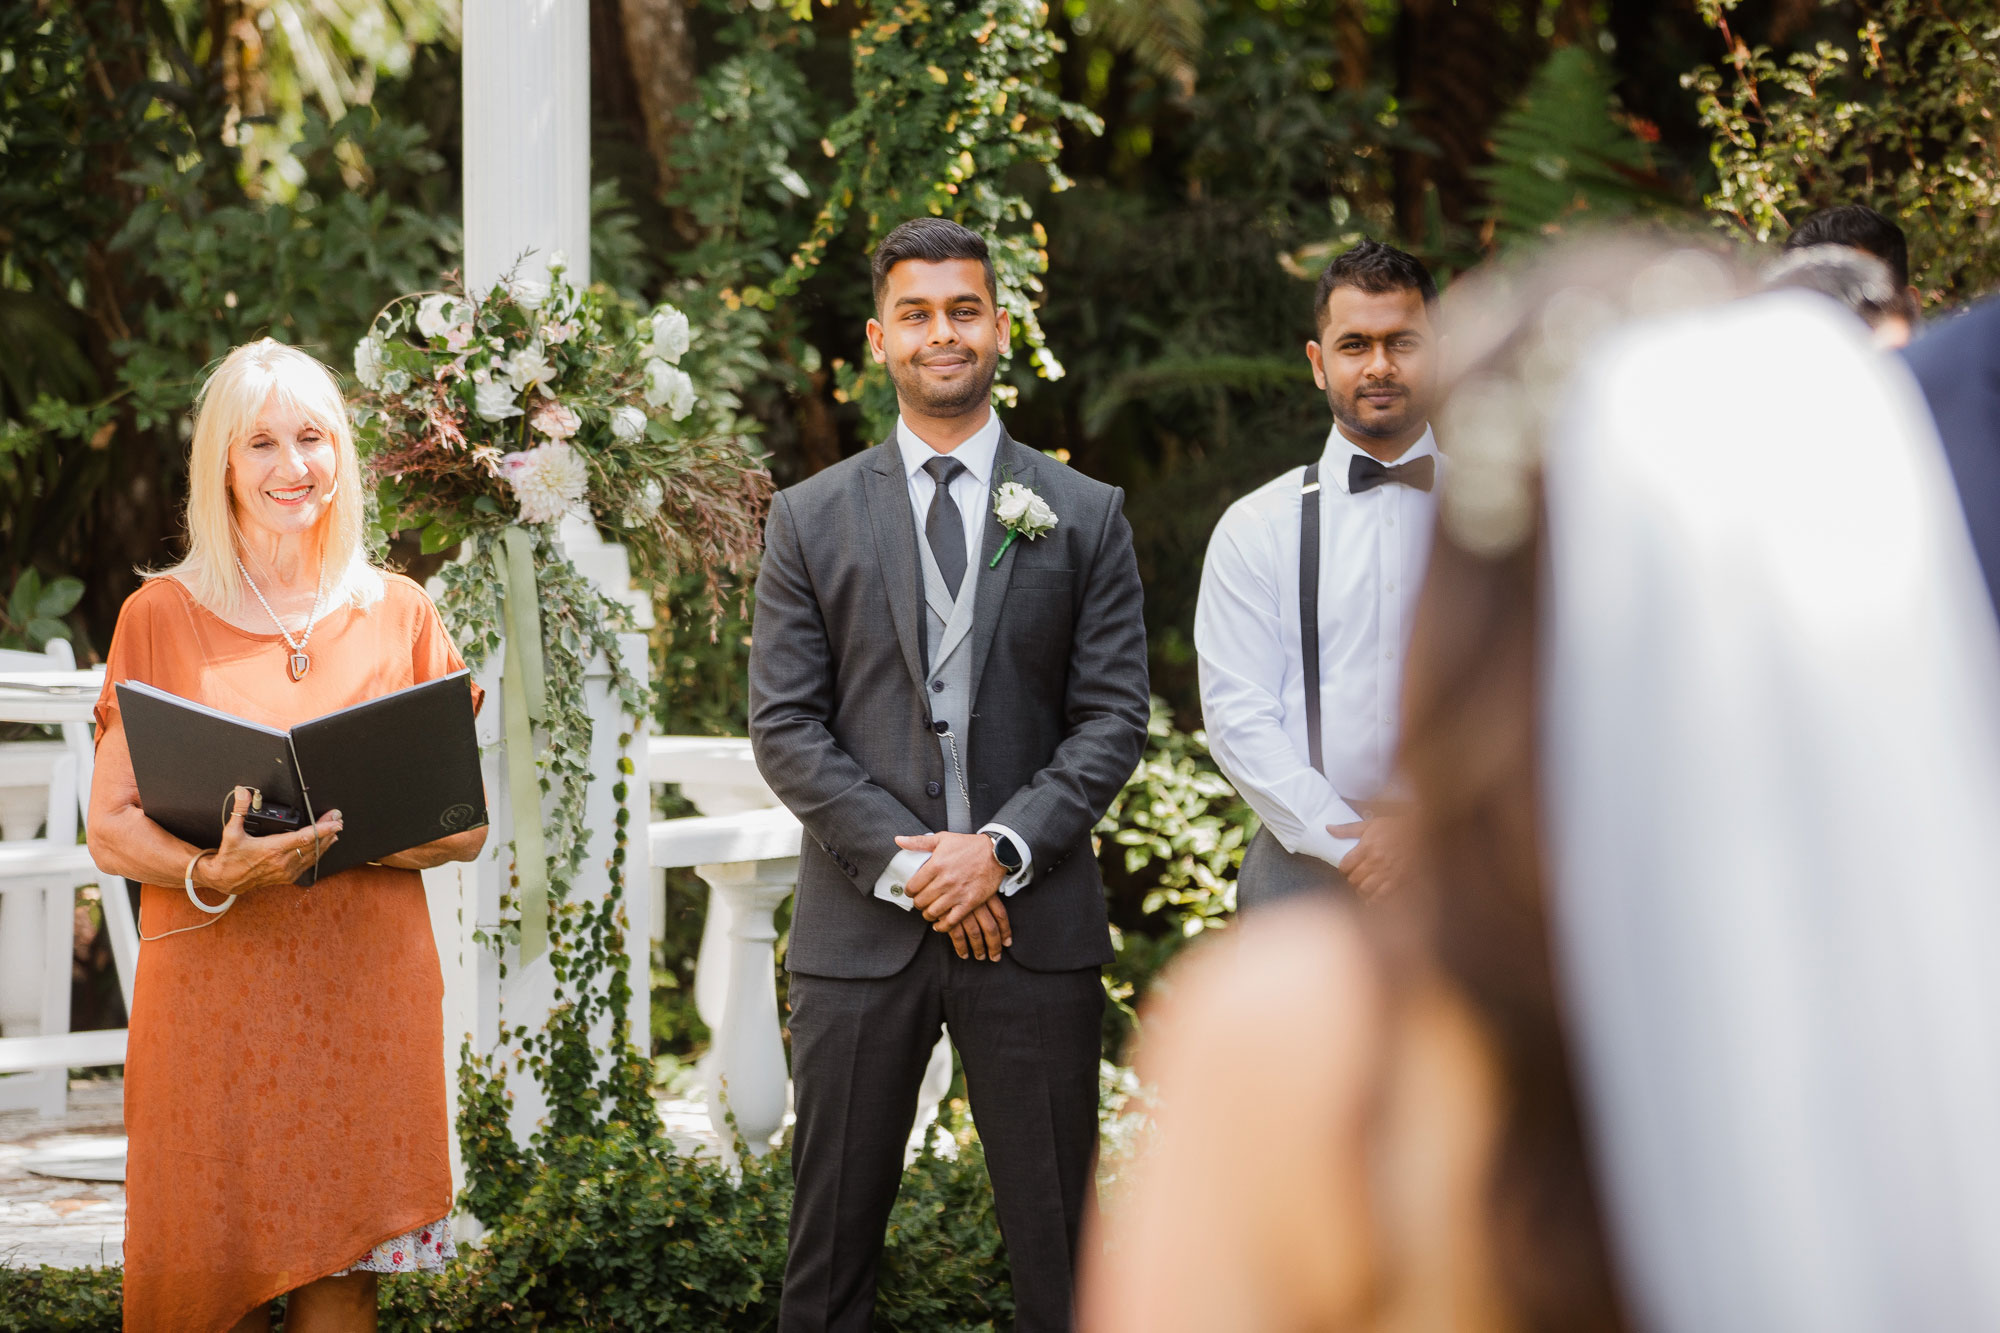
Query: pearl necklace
299, 663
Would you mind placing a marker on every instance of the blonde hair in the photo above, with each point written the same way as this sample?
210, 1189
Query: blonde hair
225, 412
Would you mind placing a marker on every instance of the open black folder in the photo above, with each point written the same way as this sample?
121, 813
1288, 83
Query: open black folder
403, 769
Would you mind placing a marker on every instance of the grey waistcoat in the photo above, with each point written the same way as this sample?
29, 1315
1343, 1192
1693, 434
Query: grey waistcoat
947, 628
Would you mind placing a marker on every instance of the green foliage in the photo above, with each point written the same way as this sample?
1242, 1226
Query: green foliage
1182, 824
59, 1300
34, 611
592, 1085
1563, 156
1898, 117
949, 99
1170, 847
614, 1235
742, 154
138, 244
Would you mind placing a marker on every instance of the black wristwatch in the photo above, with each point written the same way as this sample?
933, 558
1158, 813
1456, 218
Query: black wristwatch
1005, 852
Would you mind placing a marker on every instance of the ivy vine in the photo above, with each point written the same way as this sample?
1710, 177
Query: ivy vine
587, 1088
950, 96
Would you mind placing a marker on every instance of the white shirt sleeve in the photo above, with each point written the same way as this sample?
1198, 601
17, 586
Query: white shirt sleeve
1239, 639
1017, 881
896, 876
891, 887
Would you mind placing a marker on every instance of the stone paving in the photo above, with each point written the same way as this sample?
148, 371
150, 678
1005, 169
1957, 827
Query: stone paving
81, 1223
64, 1223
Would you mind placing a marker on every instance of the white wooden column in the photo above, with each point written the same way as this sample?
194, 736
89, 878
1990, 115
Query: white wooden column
526, 74
526, 78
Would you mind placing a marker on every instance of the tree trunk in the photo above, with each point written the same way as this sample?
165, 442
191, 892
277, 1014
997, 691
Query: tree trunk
661, 53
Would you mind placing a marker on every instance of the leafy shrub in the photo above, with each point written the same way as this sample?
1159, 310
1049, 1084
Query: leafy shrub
1170, 847
615, 1235
59, 1300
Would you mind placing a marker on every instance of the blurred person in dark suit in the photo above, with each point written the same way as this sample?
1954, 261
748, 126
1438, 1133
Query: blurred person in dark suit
1664, 1035
1957, 363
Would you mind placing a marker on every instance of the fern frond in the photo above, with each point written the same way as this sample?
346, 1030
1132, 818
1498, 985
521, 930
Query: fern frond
1564, 154
1179, 374
1165, 36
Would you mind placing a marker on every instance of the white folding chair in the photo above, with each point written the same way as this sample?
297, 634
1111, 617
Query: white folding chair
38, 881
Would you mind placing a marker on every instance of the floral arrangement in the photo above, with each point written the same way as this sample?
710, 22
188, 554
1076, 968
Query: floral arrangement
485, 421
539, 400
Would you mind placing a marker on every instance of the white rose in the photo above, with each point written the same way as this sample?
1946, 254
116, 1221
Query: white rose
558, 261
437, 313
669, 387
529, 293
1041, 518
1021, 509
627, 424
1011, 503
368, 362
671, 334
494, 401
529, 367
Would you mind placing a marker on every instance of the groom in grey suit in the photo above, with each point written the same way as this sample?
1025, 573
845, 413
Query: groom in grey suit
948, 712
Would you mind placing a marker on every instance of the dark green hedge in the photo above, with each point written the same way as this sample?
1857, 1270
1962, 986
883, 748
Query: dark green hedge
614, 1237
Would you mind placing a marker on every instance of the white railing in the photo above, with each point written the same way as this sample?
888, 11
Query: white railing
44, 791
745, 847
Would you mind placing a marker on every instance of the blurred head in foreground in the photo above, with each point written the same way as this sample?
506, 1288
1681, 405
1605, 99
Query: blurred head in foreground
1861, 228
1855, 278
1659, 1043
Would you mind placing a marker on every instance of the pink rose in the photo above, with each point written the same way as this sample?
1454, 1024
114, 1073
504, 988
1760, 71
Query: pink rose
555, 420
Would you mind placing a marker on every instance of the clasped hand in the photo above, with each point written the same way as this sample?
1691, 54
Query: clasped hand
244, 862
957, 890
1381, 859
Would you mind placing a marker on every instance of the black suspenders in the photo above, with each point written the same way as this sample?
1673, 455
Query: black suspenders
1309, 611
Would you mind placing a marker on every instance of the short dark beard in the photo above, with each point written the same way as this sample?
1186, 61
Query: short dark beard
1350, 421
911, 388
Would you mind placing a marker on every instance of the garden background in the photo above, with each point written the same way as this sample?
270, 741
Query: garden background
181, 176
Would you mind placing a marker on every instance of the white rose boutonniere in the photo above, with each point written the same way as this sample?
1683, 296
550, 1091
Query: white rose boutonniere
1023, 513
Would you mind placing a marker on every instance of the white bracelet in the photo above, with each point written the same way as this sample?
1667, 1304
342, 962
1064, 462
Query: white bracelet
188, 879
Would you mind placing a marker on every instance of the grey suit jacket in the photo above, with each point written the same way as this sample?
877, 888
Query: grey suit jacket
841, 726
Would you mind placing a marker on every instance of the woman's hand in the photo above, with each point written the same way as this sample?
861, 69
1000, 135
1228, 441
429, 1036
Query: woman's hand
244, 863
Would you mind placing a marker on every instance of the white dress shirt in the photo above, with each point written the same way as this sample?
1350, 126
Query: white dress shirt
971, 491
1372, 554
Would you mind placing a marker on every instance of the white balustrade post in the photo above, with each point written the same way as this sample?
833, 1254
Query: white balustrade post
526, 72
750, 1080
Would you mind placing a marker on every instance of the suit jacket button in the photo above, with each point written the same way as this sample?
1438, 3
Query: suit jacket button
933, 789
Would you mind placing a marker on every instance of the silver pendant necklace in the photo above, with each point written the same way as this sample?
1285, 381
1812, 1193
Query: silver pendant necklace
299, 663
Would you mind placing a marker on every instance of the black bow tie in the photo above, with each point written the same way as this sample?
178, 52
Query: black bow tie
1365, 473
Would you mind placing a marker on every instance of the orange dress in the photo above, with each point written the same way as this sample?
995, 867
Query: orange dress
284, 1086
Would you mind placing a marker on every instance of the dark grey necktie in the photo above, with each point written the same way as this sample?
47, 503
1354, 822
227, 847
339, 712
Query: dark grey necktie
944, 528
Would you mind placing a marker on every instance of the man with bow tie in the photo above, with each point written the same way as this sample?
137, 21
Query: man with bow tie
1304, 723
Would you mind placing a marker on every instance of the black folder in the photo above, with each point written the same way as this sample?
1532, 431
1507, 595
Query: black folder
402, 769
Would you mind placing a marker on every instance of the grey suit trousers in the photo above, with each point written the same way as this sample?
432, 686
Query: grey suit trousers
1028, 1042
1271, 874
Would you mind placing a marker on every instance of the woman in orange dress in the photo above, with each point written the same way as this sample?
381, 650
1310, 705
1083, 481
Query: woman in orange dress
285, 1086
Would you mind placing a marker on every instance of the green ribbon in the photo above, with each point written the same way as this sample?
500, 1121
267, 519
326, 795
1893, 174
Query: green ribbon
524, 702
